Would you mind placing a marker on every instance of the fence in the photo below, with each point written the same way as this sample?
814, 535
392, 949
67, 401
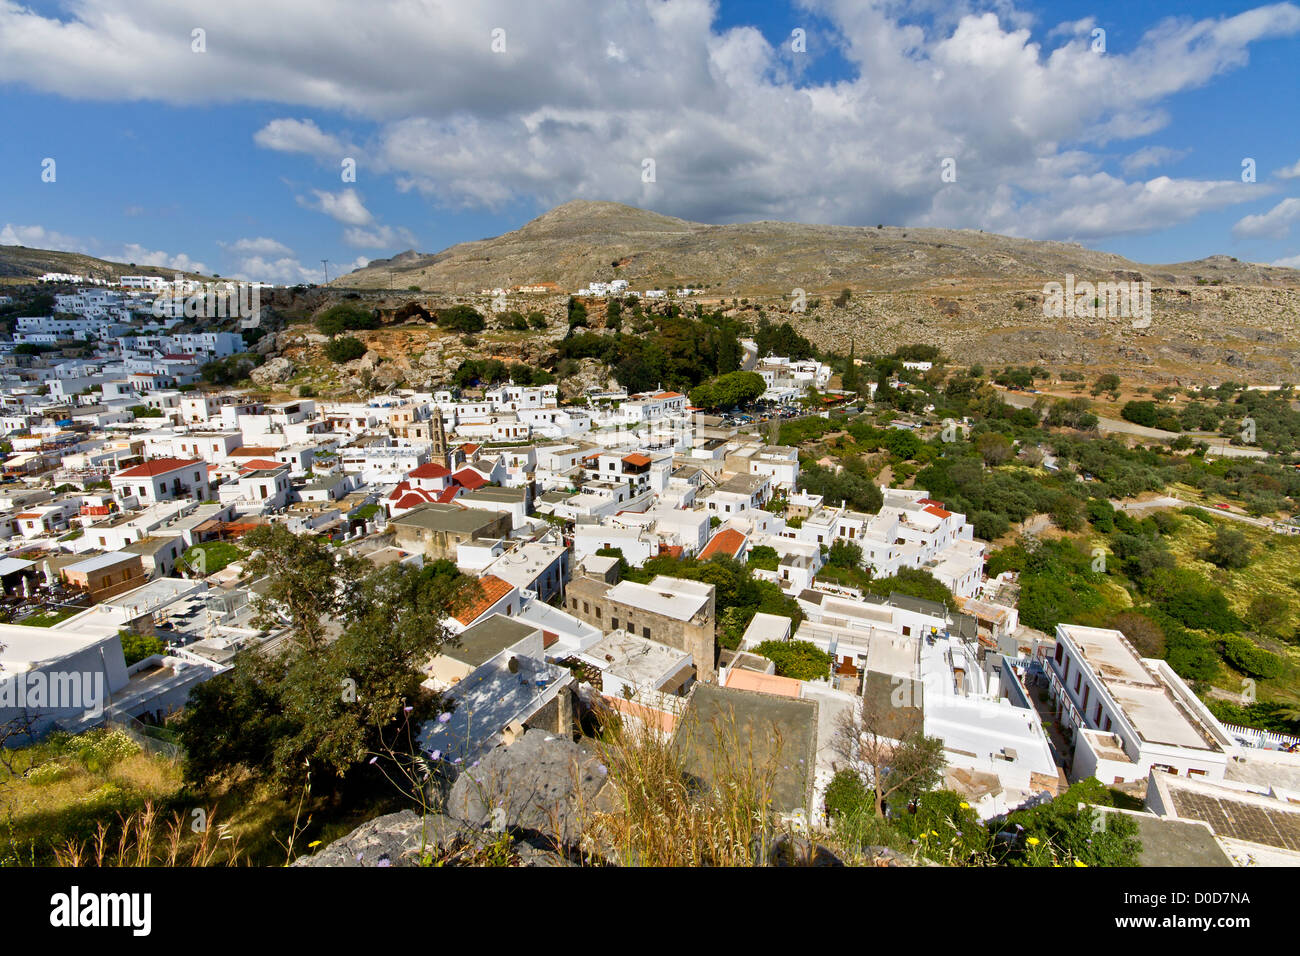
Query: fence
1264, 739
139, 732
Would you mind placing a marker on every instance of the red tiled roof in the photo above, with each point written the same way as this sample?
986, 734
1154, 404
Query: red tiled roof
728, 541
491, 590
159, 466
447, 494
410, 500
669, 395
636, 460
429, 470
256, 464
470, 449
938, 512
469, 478
672, 550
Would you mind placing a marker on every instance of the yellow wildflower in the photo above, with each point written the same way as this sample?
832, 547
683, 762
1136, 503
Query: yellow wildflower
1033, 841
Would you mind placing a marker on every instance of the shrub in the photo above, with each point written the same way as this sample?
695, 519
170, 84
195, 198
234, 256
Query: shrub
344, 349
345, 318
1246, 657
848, 796
763, 556
801, 660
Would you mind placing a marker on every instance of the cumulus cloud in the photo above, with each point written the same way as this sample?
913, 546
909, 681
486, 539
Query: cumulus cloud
1289, 262
344, 206
300, 136
38, 237
1274, 224
260, 246
134, 252
1149, 156
378, 237
1289, 172
580, 98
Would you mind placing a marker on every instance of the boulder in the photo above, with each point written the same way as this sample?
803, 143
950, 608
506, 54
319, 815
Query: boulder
275, 370
536, 787
395, 839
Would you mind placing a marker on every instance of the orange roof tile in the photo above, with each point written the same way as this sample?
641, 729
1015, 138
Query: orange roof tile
938, 512
257, 464
728, 541
491, 590
637, 460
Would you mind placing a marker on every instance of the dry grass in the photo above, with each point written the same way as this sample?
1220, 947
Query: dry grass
663, 817
147, 838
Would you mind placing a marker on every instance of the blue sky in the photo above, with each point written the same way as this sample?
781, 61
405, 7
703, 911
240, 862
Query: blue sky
229, 159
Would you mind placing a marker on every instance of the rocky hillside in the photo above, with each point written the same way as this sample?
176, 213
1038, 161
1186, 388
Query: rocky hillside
20, 264
582, 241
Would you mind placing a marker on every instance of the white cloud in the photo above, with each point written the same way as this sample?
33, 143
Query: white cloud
344, 206
38, 237
134, 252
260, 246
283, 271
378, 237
582, 97
1149, 156
1289, 262
1274, 224
1289, 172
300, 136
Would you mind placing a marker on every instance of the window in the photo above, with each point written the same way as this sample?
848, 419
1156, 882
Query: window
1060, 651
645, 632
598, 613
586, 608
613, 622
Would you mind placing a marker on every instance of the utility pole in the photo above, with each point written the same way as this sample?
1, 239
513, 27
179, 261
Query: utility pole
326, 264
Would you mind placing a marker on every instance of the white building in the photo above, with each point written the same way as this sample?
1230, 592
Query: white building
1128, 714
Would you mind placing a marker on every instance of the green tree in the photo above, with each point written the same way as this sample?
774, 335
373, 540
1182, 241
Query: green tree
1230, 549
1106, 383
801, 660
729, 391
844, 554
136, 647
328, 708
306, 581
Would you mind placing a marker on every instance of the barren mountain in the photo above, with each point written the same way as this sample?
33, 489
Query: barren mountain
582, 241
22, 264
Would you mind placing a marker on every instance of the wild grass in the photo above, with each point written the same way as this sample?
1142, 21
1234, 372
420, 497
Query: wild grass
663, 815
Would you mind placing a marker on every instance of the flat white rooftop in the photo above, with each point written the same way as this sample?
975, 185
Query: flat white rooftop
1149, 703
637, 660
670, 597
